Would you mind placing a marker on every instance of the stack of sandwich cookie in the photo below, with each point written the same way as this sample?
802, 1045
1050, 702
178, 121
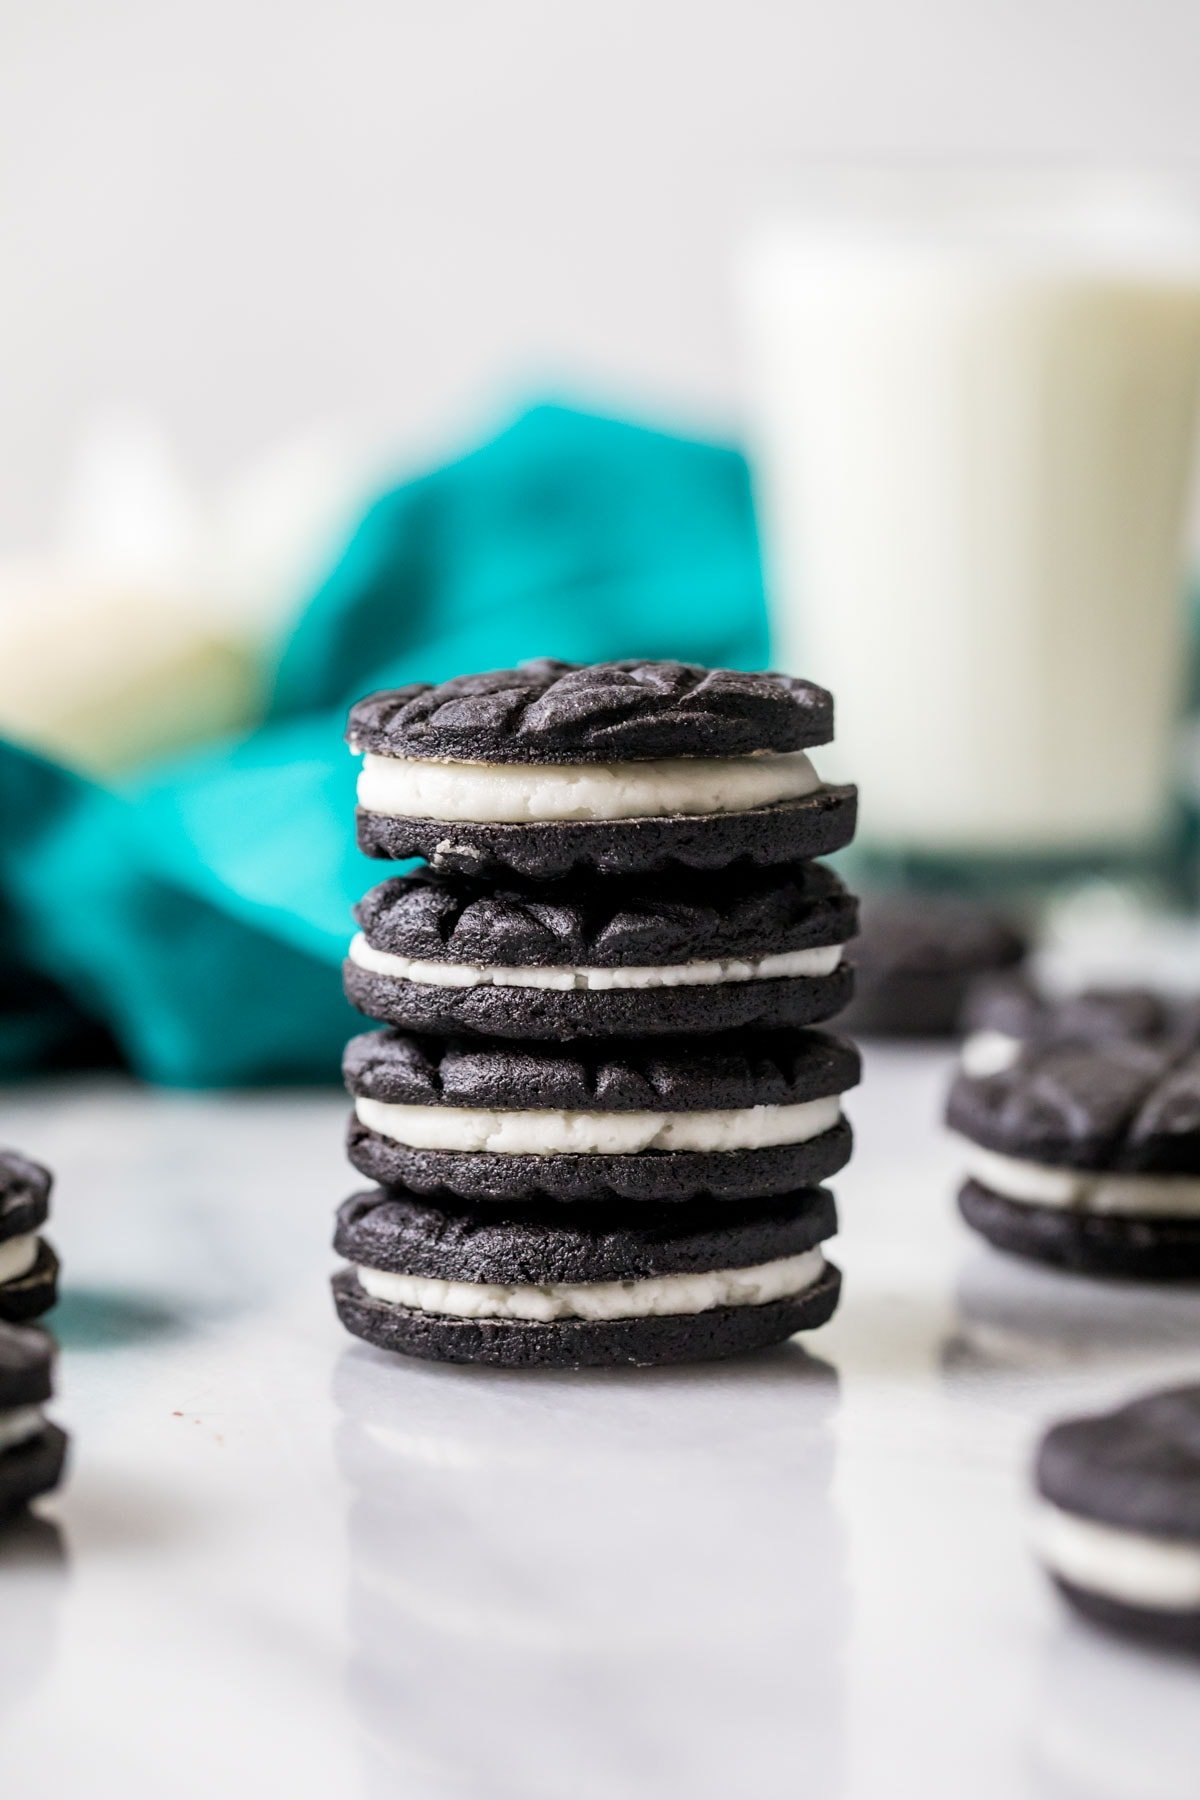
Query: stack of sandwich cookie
32, 1451
1118, 1520
1087, 1157
28, 1266
598, 1117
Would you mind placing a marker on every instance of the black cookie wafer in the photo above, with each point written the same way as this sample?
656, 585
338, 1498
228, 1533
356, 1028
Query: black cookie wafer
580, 932
1137, 1249
1016, 1007
522, 1248
762, 836
33, 1465
556, 712
1127, 1107
666, 1076
915, 959
29, 1295
1135, 1473
24, 1195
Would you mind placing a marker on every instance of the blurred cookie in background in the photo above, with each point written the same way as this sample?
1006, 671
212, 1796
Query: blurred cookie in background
1118, 1518
1087, 1157
1004, 1013
915, 959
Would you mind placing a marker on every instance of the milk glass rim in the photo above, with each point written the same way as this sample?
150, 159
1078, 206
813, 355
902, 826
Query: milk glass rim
1093, 216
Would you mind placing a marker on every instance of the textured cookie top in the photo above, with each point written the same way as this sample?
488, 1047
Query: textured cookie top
1137, 1468
1131, 1107
436, 917
663, 1075
1016, 1006
24, 1194
557, 712
26, 1366
529, 1245
924, 934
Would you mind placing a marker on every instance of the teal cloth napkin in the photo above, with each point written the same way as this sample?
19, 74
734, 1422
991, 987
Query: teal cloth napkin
201, 911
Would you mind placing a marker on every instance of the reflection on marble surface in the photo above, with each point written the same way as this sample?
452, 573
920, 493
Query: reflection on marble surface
297, 1566
1014, 1315
1146, 1746
612, 1568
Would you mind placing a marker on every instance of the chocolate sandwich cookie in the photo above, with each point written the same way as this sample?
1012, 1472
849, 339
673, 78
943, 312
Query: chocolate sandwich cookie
667, 1120
1087, 1157
1118, 1521
444, 953
622, 768
1003, 1013
916, 957
28, 1266
31, 1449
524, 1287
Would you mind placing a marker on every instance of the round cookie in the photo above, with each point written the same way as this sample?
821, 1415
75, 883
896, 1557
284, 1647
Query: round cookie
667, 1120
447, 954
28, 1266
1004, 1013
1118, 1525
915, 959
1087, 1157
31, 1449
618, 768
526, 1288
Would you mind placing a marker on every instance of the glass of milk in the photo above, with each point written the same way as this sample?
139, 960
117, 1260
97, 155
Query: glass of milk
972, 435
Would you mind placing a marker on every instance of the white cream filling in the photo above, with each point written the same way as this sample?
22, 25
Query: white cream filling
17, 1257
514, 793
822, 960
1085, 1190
989, 1052
652, 1297
556, 1132
20, 1424
1126, 1566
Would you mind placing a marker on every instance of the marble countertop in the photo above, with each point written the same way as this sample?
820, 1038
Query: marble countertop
286, 1564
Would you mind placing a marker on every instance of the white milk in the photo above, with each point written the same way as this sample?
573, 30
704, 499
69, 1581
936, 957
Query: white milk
974, 460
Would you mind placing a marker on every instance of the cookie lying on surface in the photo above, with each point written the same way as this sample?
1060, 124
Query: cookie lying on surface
915, 959
527, 1286
444, 953
1005, 1012
1118, 1522
622, 768
1087, 1157
28, 1266
671, 1119
32, 1450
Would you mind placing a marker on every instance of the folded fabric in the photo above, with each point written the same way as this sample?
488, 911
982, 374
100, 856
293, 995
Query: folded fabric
200, 912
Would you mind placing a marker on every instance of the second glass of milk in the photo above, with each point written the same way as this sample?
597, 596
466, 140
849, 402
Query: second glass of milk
975, 413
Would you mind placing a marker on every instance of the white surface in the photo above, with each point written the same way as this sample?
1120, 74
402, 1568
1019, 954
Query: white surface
290, 1565
406, 788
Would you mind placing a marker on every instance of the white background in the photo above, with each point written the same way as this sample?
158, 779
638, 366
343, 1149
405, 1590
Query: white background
247, 217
